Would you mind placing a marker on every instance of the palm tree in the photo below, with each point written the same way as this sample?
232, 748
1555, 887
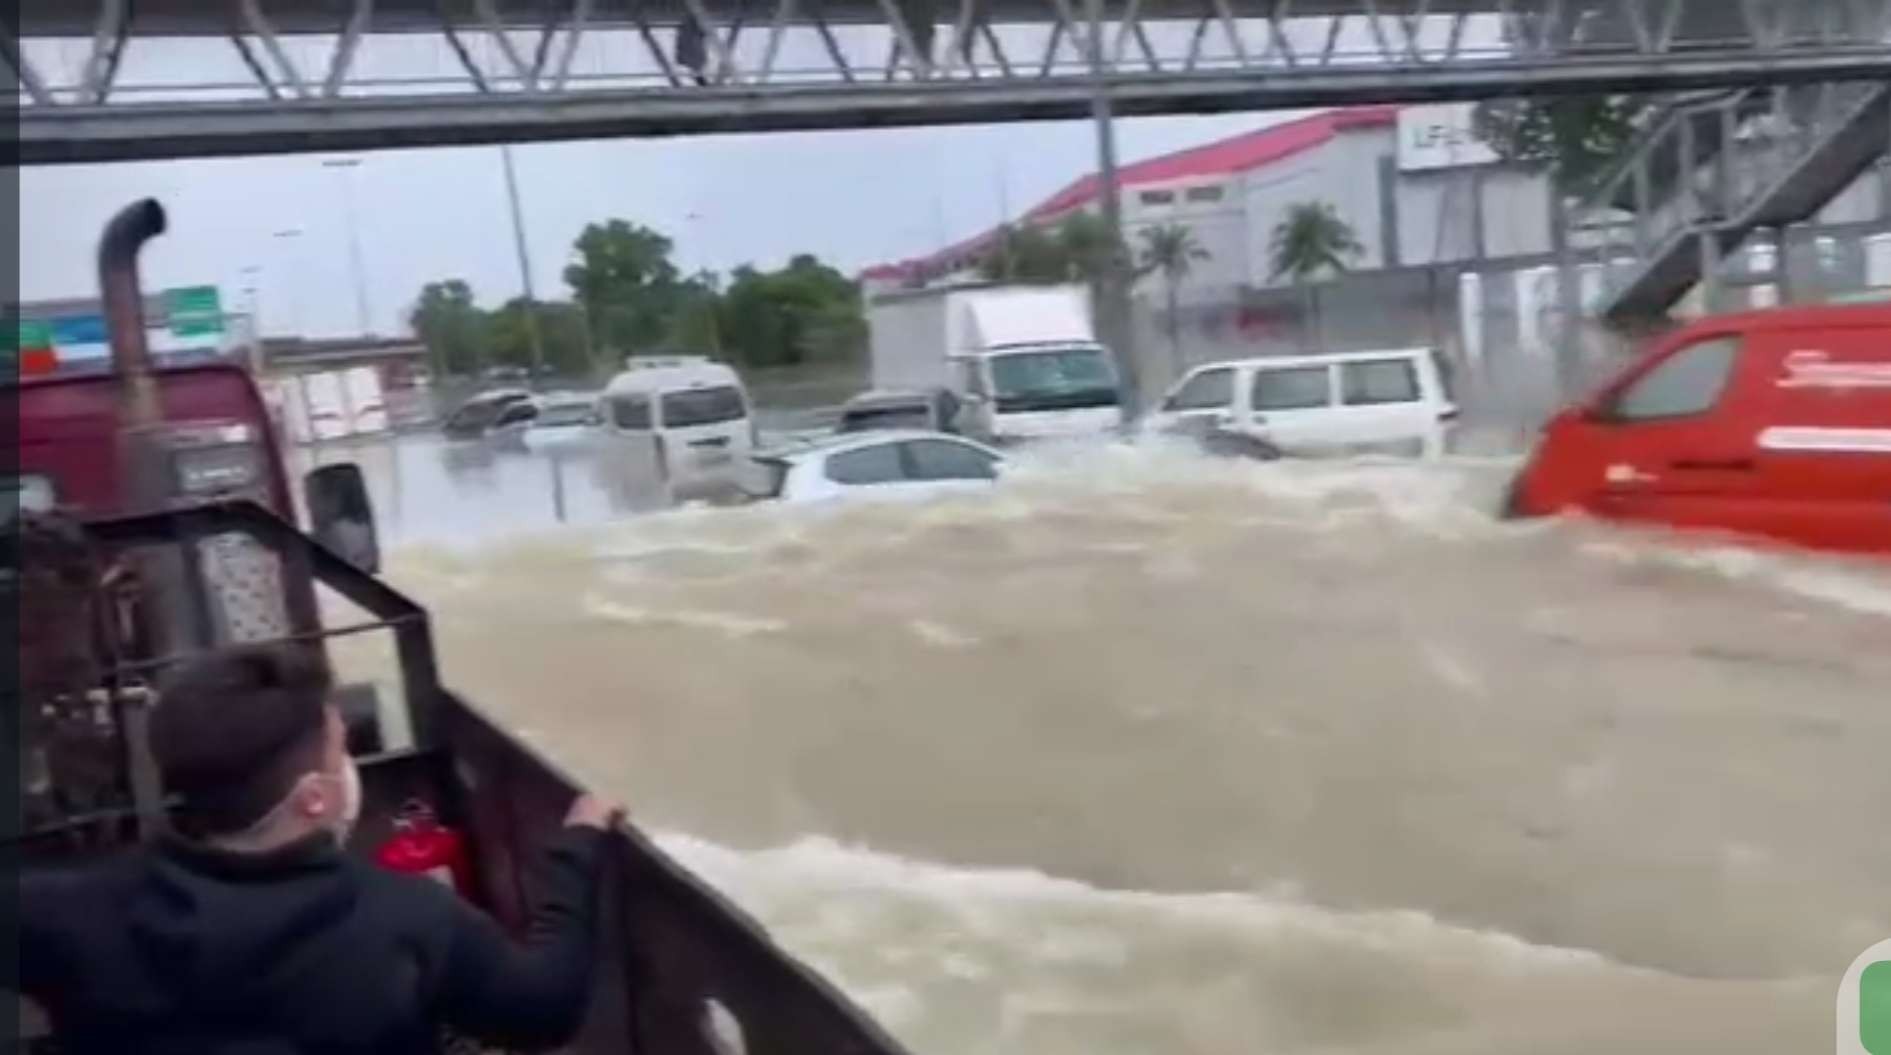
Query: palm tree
1172, 250
1310, 242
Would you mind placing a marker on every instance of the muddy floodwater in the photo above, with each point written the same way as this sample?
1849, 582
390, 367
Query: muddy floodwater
1146, 753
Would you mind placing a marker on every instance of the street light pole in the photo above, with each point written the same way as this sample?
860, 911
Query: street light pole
707, 302
525, 260
287, 235
253, 277
1112, 313
345, 167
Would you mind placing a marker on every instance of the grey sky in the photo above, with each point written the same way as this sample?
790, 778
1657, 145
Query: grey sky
855, 198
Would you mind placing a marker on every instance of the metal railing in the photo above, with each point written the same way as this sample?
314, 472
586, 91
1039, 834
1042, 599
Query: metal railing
1703, 167
589, 68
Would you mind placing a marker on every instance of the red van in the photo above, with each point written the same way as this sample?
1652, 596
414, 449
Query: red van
1773, 424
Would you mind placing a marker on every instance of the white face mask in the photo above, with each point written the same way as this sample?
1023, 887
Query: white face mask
340, 821
343, 823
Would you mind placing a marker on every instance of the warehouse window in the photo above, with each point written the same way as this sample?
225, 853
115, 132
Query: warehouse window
1211, 192
1157, 197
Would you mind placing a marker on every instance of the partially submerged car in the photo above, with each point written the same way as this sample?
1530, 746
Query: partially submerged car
879, 465
564, 422
487, 412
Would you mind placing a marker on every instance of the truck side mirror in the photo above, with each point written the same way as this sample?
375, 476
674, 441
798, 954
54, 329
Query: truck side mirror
341, 516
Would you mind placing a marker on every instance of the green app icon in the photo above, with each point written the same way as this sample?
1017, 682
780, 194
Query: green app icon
1874, 1008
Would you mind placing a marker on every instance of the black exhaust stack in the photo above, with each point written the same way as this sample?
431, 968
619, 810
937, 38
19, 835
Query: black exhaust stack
123, 298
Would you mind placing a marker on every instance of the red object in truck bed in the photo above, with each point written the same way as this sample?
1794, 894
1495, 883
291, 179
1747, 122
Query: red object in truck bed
1772, 424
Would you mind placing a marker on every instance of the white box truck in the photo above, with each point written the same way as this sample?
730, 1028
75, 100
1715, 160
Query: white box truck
1023, 360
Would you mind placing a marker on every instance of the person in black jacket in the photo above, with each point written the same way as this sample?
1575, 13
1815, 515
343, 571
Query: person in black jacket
251, 932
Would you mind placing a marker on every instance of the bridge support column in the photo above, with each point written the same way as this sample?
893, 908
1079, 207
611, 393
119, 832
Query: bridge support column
1114, 324
1710, 270
1782, 264
1568, 294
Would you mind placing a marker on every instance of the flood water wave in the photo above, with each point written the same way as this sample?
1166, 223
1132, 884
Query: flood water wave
1146, 752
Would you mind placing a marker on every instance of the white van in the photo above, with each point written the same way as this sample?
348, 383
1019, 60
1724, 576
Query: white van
691, 412
1396, 401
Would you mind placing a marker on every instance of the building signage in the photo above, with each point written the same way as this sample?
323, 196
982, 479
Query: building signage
1441, 136
78, 329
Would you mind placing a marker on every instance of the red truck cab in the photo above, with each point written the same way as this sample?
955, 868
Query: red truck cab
1773, 424
216, 436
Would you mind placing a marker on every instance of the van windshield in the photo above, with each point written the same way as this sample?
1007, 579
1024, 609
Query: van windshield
702, 406
1056, 379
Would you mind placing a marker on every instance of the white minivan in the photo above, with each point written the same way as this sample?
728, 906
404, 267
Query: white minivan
1396, 402
691, 413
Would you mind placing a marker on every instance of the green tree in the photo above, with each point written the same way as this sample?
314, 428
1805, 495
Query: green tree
1309, 243
1578, 137
1079, 249
1091, 247
451, 326
626, 284
1029, 254
695, 325
1172, 250
806, 312
561, 330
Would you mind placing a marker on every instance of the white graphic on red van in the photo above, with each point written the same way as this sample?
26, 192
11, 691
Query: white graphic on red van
1810, 438
1813, 369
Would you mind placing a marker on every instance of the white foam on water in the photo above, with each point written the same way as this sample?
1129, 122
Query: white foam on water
957, 960
729, 623
940, 635
1451, 669
825, 869
1850, 585
1153, 669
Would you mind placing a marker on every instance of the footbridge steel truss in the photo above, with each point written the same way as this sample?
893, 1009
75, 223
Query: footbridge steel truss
127, 79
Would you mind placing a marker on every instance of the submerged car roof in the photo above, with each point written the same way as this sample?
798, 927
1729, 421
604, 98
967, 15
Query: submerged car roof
497, 395
828, 444
892, 398
673, 372
1319, 359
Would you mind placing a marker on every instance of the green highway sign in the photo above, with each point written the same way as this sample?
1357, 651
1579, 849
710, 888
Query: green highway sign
194, 311
29, 333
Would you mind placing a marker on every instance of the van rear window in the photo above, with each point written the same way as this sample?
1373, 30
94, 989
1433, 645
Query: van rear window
1379, 381
1294, 388
702, 406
